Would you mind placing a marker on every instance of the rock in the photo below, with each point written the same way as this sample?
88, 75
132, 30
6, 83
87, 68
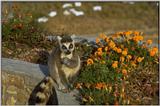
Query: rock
12, 90
11, 101
19, 78
22, 96
17, 81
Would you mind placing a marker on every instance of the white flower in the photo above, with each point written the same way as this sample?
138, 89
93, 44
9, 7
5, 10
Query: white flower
42, 19
97, 8
131, 2
76, 13
52, 13
66, 12
72, 10
79, 13
65, 5
78, 4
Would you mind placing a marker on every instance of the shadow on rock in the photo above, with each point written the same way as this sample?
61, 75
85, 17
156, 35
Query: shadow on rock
43, 58
53, 100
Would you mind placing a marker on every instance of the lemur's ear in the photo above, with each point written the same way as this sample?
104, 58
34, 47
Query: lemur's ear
73, 36
59, 39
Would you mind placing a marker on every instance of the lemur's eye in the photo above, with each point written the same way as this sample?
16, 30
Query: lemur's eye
70, 46
64, 47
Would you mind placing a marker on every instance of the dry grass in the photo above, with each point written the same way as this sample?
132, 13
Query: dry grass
115, 16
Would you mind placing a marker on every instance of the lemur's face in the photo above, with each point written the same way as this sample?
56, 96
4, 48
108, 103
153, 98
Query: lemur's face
66, 44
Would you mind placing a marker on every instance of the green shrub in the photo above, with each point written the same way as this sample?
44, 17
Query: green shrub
118, 67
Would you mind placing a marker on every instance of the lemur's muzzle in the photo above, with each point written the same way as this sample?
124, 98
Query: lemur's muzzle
68, 52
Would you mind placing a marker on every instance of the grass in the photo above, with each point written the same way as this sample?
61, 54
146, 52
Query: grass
115, 16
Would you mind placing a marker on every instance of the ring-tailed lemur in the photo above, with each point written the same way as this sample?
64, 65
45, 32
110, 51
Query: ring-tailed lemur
64, 64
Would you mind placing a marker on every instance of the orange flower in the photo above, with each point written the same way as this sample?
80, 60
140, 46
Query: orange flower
139, 59
128, 33
78, 85
107, 39
133, 64
137, 38
100, 85
149, 42
102, 36
115, 64
115, 48
129, 57
124, 52
106, 48
136, 33
152, 53
122, 59
89, 61
125, 49
99, 49
119, 50
140, 37
155, 49
99, 53
111, 44
97, 40
124, 71
119, 33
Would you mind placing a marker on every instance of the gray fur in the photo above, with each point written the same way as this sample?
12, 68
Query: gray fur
63, 68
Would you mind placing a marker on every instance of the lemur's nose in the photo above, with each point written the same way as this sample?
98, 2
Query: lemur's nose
68, 52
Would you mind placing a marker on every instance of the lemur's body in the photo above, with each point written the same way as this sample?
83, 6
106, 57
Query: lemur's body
64, 64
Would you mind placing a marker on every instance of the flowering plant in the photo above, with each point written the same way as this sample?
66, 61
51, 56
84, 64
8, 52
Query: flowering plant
107, 75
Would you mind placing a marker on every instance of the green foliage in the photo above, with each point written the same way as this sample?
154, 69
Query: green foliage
108, 79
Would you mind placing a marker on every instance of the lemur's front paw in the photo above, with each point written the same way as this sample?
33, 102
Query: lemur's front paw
65, 61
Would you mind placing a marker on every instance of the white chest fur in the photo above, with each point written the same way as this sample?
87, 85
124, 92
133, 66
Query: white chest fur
68, 71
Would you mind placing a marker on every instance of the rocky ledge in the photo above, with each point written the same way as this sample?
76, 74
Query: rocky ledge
20, 78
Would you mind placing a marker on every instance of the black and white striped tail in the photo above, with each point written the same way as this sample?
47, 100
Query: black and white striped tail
46, 93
